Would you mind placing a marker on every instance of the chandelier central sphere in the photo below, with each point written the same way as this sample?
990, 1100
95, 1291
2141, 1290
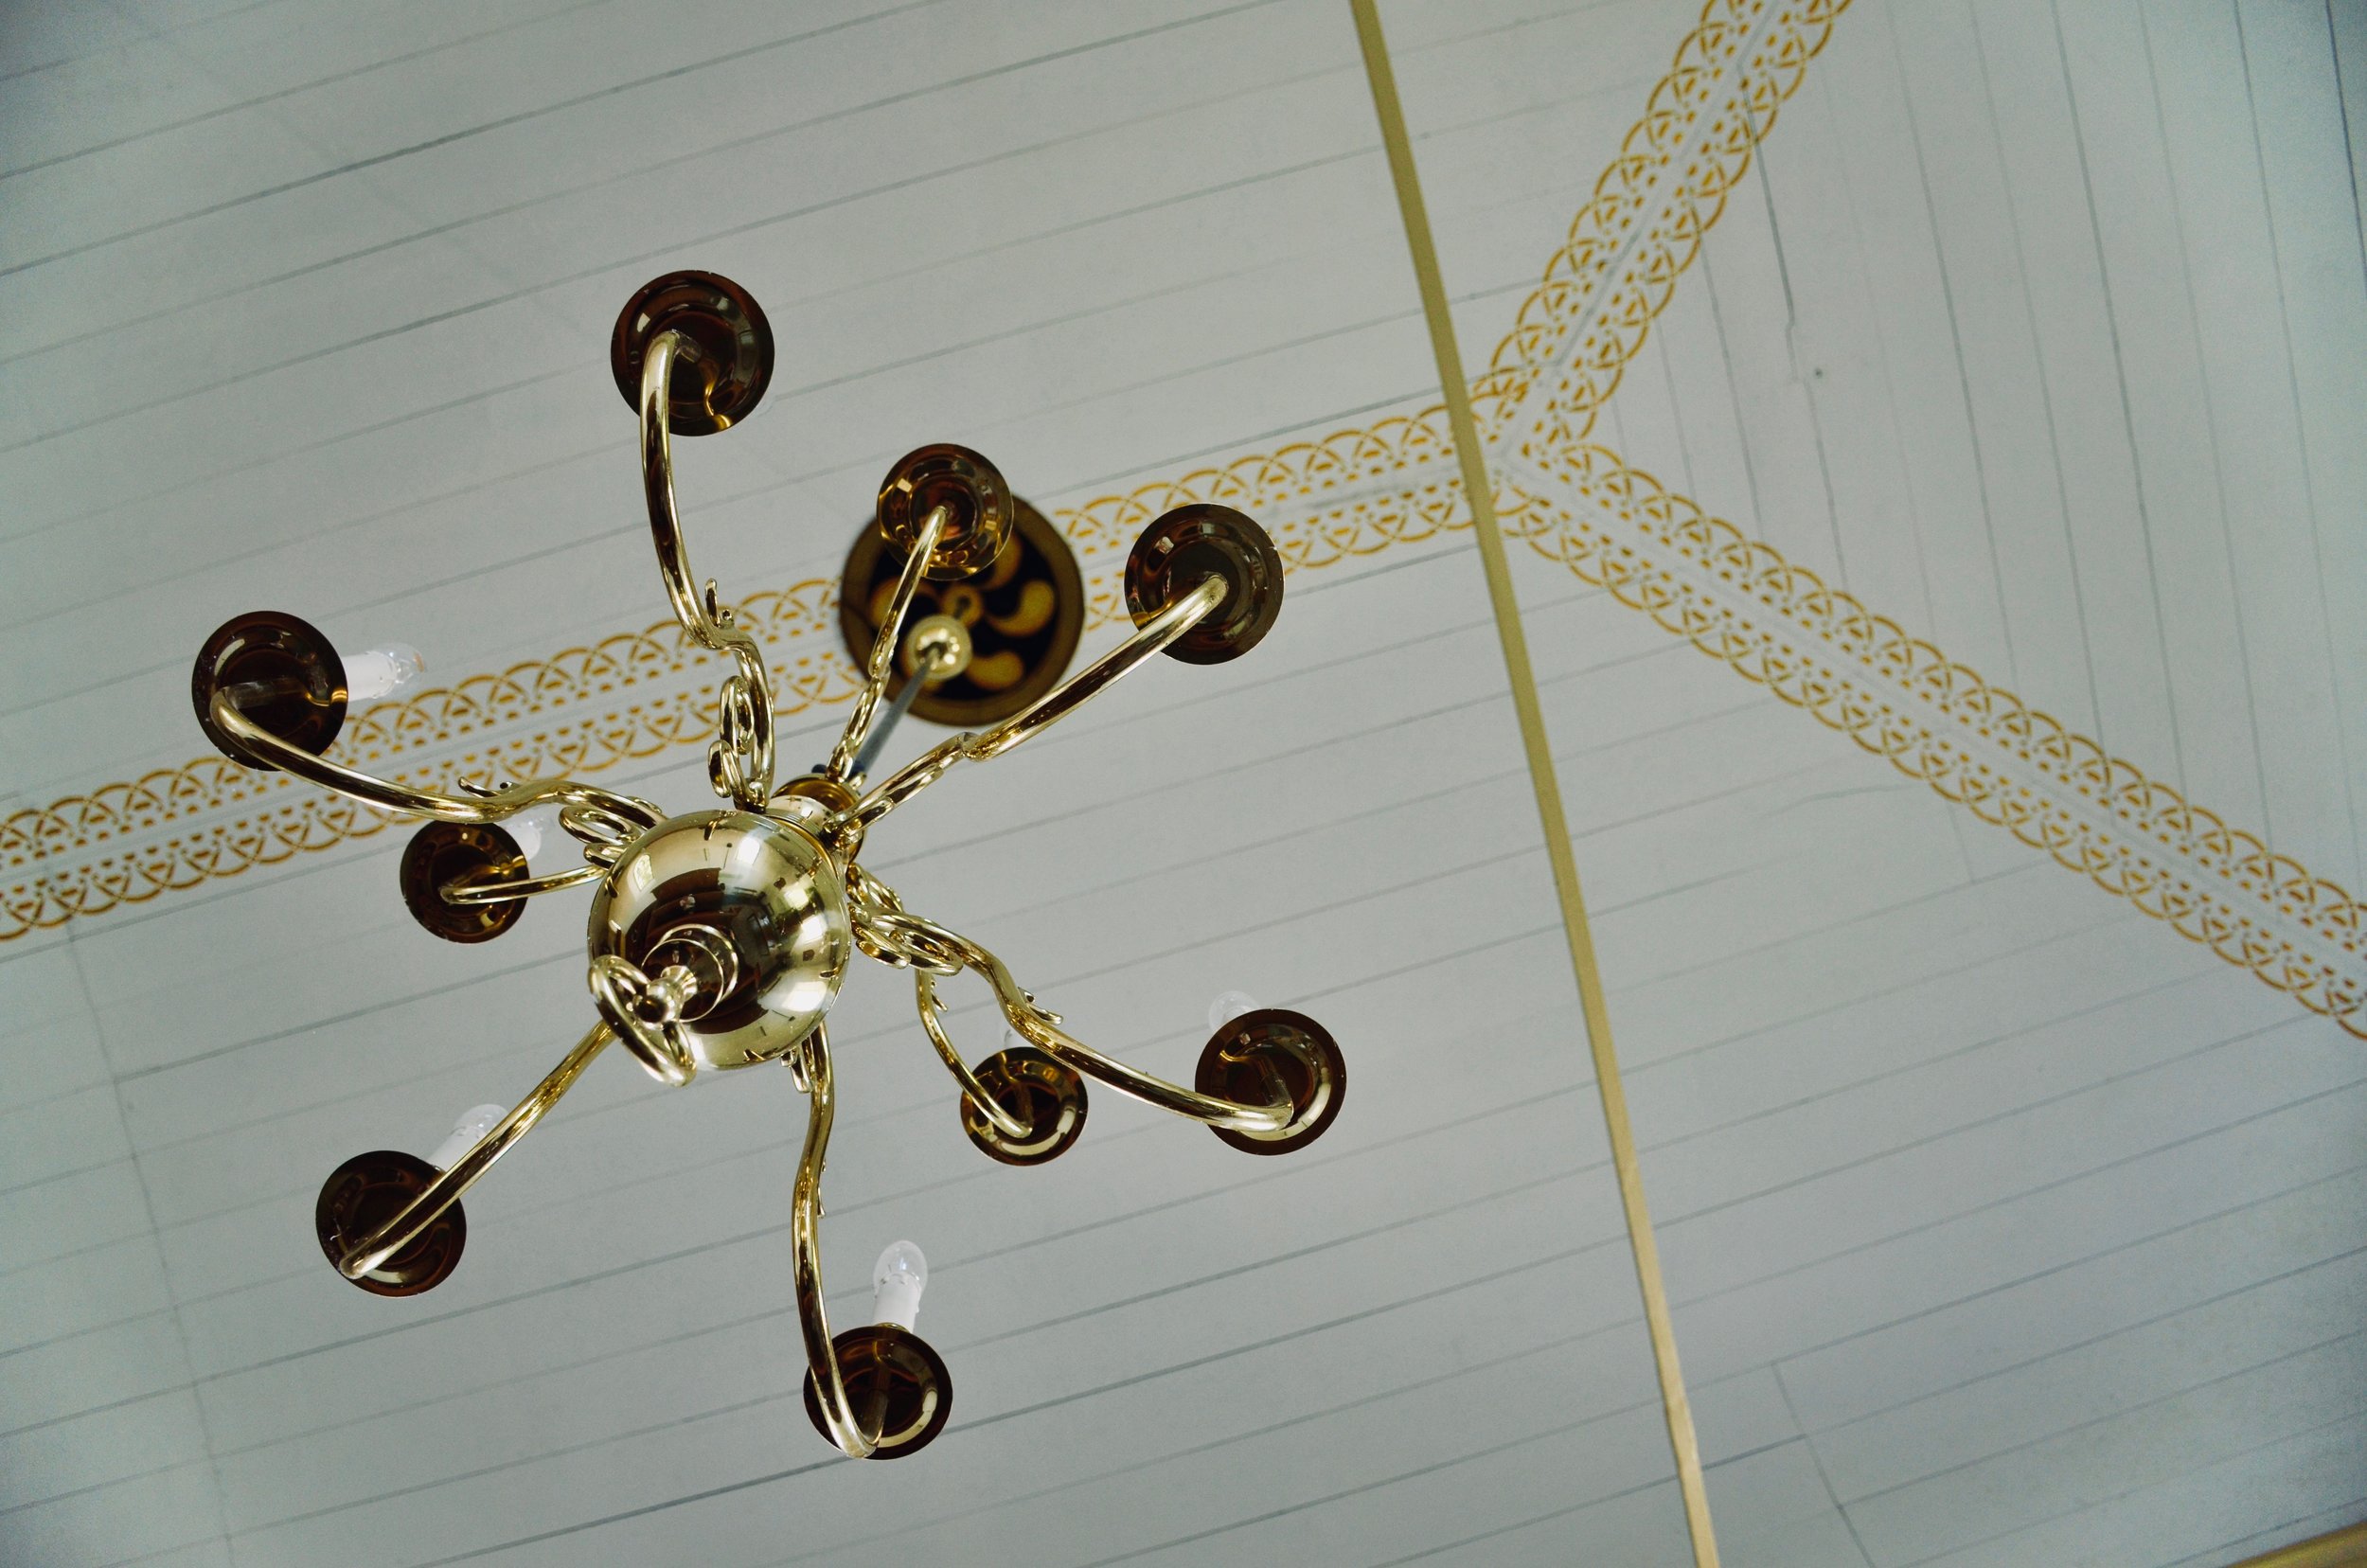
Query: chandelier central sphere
753, 905
719, 938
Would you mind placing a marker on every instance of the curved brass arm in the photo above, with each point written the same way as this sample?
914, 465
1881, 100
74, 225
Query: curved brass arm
932, 1019
1047, 711
491, 806
467, 891
888, 933
659, 1044
805, 1244
883, 663
458, 1177
1040, 1032
750, 772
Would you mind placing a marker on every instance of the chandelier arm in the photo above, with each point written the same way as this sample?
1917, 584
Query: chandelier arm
1038, 1028
458, 1177
750, 773
488, 805
1054, 706
932, 1019
466, 891
1152, 637
804, 1241
881, 665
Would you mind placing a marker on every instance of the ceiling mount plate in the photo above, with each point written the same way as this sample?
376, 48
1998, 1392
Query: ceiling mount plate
1025, 614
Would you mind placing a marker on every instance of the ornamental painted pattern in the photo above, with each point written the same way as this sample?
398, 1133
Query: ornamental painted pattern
1354, 493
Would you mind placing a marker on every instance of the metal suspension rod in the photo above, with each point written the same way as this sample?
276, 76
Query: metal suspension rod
881, 664
897, 708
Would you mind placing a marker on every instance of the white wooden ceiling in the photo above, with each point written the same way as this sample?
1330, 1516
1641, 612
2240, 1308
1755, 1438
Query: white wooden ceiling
2003, 1224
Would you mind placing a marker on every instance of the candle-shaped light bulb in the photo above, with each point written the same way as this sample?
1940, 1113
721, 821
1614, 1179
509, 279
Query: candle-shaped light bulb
897, 1279
1228, 1006
376, 673
473, 1124
531, 830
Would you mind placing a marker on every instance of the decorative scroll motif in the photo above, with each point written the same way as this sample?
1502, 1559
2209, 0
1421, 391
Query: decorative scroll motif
1644, 224
1817, 647
588, 708
1354, 493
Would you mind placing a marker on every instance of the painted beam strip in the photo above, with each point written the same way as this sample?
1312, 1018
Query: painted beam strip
2342, 1549
1538, 746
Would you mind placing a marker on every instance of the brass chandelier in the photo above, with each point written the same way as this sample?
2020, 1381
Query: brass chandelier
719, 938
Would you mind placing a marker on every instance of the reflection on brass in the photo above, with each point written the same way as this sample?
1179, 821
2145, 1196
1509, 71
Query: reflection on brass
376, 1240
829, 794
769, 888
1025, 614
719, 938
1190, 544
1275, 1053
937, 648
723, 341
1014, 1124
282, 674
464, 891
368, 1192
468, 859
977, 504
262, 747
1032, 1091
740, 758
897, 1389
834, 1413
1039, 715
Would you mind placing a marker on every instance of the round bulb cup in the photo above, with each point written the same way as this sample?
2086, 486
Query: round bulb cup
897, 1281
473, 1124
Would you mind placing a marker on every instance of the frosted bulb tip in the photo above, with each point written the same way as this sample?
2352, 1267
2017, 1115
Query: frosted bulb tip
1228, 1006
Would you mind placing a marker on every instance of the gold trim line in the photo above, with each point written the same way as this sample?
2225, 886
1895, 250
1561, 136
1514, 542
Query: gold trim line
1356, 492
2339, 1550
1535, 742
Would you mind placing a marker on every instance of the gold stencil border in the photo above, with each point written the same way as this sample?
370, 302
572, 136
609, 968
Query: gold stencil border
1350, 496
491, 716
293, 818
1826, 630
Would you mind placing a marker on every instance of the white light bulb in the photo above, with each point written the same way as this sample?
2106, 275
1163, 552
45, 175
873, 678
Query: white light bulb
897, 1281
532, 829
1228, 1006
473, 1124
375, 673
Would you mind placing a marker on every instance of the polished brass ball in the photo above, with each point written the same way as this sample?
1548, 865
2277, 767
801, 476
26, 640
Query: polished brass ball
771, 888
